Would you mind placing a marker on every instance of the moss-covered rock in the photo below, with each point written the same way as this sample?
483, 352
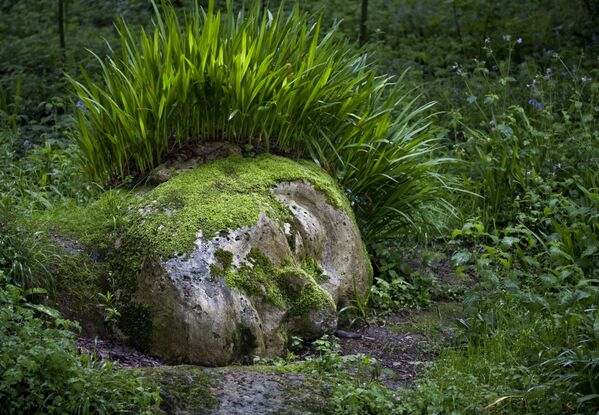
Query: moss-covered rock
236, 390
183, 389
223, 262
224, 194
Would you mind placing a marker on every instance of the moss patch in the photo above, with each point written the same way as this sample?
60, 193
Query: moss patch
312, 297
224, 194
93, 254
182, 388
311, 267
287, 287
224, 257
256, 278
82, 242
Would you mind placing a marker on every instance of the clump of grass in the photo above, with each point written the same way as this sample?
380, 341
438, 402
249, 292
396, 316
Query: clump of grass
262, 79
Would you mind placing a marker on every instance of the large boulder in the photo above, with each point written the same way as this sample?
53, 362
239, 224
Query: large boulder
240, 254
219, 263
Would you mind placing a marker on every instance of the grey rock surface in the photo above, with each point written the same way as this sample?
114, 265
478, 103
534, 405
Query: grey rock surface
189, 390
279, 278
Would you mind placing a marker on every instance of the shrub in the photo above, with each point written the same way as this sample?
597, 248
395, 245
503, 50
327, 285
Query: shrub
270, 81
41, 371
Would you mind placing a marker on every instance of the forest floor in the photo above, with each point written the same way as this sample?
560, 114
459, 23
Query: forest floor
402, 342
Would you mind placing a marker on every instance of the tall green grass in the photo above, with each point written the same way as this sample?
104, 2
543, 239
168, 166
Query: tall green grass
275, 81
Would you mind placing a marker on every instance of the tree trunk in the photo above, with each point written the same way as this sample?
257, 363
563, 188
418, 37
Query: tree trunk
61, 23
363, 19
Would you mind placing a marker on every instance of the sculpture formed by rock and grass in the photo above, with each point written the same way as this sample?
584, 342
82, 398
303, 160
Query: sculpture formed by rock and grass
230, 259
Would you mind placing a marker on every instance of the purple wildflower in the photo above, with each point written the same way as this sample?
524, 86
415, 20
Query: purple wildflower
538, 106
80, 104
519, 41
27, 144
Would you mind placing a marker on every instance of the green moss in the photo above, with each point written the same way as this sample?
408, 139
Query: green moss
257, 278
93, 254
311, 297
77, 280
224, 257
97, 224
224, 194
287, 287
302, 291
311, 267
183, 389
82, 241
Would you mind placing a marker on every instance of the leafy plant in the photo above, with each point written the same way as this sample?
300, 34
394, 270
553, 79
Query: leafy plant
355, 378
529, 340
396, 283
42, 372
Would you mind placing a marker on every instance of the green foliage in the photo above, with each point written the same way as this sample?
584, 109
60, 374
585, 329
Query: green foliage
262, 80
397, 284
37, 176
526, 132
32, 178
521, 119
21, 260
356, 389
530, 340
42, 372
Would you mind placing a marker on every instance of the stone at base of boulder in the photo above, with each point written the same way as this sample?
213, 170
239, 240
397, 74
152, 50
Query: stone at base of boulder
191, 390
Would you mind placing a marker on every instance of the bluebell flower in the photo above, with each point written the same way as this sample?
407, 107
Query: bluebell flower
538, 106
27, 144
80, 104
